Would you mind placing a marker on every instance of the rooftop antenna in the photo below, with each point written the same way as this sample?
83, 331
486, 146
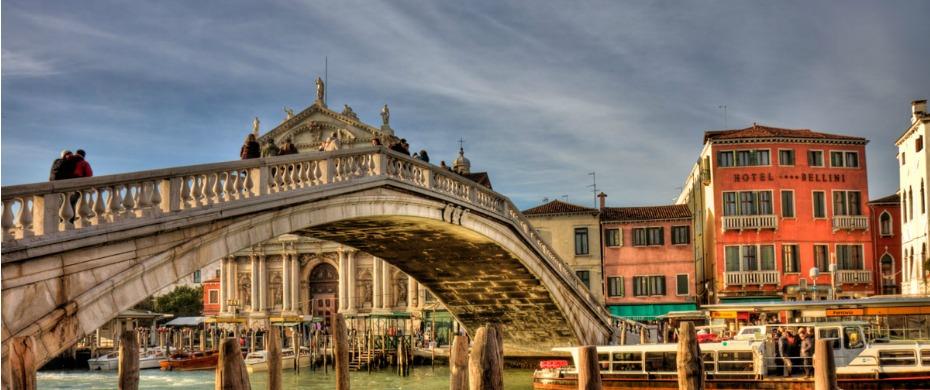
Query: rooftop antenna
462, 144
325, 79
724, 107
593, 186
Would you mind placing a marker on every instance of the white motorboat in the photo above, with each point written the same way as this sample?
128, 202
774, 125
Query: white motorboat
258, 361
110, 361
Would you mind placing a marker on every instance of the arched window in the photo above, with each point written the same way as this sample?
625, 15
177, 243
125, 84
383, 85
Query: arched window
910, 202
884, 222
904, 206
888, 273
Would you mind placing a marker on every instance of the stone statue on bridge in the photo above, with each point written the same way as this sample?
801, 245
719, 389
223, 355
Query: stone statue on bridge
320, 90
256, 124
385, 116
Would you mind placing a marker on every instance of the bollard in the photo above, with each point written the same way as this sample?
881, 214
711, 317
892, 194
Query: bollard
458, 364
824, 366
128, 361
690, 369
589, 370
486, 361
273, 357
231, 373
341, 350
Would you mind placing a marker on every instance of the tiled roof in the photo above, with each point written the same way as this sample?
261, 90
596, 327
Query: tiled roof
559, 207
759, 131
480, 178
893, 198
619, 214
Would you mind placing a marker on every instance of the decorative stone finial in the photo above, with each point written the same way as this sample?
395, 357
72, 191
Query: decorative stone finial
320, 91
256, 124
288, 113
347, 111
385, 116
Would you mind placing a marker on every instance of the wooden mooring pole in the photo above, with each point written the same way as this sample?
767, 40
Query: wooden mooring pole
486, 361
458, 364
589, 370
642, 335
824, 366
342, 354
690, 369
128, 361
22, 364
231, 373
273, 357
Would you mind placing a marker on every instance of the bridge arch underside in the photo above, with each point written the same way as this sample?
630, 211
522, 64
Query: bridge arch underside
478, 266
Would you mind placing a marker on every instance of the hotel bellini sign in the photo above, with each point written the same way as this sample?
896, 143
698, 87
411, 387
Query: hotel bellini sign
811, 177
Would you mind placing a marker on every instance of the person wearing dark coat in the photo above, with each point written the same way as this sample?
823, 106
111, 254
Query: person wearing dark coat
784, 350
807, 351
287, 148
424, 156
250, 148
270, 149
62, 167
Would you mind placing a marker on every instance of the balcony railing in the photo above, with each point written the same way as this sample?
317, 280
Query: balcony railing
744, 222
853, 276
748, 278
850, 222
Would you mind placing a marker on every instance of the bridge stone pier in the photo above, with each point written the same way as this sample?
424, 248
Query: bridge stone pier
135, 233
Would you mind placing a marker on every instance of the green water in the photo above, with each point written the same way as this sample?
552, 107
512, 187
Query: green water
421, 378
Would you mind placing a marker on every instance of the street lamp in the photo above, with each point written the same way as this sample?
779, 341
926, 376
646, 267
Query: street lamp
814, 273
833, 281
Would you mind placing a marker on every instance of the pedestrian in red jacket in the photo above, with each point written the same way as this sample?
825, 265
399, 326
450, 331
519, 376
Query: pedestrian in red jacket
81, 166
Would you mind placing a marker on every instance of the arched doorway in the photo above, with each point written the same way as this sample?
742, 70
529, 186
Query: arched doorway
324, 285
889, 285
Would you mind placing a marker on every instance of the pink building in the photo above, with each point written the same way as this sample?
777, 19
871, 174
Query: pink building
648, 260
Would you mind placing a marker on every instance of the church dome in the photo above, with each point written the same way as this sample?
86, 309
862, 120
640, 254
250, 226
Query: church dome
461, 164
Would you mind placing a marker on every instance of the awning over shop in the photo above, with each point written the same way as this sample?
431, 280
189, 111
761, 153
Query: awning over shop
648, 312
185, 321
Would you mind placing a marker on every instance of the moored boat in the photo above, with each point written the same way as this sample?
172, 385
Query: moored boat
258, 361
748, 364
189, 361
110, 361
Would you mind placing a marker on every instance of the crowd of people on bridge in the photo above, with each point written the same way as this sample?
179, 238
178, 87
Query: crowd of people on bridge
70, 166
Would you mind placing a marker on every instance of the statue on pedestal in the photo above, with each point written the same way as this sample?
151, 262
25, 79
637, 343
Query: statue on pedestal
255, 126
385, 116
288, 112
320, 89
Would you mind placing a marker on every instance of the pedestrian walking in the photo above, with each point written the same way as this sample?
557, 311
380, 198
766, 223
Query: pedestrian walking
250, 148
62, 167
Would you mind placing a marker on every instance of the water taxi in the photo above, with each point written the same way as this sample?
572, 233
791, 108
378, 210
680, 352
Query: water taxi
189, 361
749, 364
258, 361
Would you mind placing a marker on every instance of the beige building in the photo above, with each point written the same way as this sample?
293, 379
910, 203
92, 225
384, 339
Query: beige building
573, 231
914, 174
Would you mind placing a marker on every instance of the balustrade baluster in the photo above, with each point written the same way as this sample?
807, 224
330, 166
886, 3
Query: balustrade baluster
145, 196
156, 196
83, 210
113, 203
66, 212
6, 222
129, 201
24, 219
197, 190
292, 175
185, 192
303, 174
217, 187
237, 185
227, 186
98, 207
317, 172
249, 183
208, 194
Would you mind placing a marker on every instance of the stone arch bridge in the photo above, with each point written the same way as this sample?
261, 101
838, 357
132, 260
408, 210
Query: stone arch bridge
135, 233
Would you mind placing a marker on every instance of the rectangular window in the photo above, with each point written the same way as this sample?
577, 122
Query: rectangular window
214, 296
656, 236
615, 286
747, 203
815, 158
789, 258
217, 273
839, 203
197, 276
585, 277
847, 203
581, 241
786, 157
732, 258
729, 204
743, 158
836, 159
765, 202
919, 144
725, 159
640, 238
852, 160
645, 286
822, 258
768, 257
612, 237
750, 258
820, 205
681, 284
681, 235
849, 257
762, 157
901, 357
787, 203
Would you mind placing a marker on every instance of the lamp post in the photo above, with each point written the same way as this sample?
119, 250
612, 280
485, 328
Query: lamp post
833, 281
814, 273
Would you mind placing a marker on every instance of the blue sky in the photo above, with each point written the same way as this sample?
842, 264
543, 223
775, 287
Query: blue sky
542, 92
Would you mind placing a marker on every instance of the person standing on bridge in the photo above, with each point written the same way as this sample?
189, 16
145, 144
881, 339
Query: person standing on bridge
62, 167
81, 166
250, 148
270, 149
287, 148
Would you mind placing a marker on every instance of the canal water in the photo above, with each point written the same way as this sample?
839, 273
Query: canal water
421, 378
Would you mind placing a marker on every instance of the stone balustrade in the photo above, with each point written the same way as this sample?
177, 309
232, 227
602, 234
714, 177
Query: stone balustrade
50, 211
750, 278
745, 222
846, 276
850, 222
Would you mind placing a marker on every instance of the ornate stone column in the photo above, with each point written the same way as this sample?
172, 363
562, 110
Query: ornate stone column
343, 271
295, 283
253, 259
377, 293
224, 284
421, 296
285, 282
263, 282
351, 279
412, 292
387, 289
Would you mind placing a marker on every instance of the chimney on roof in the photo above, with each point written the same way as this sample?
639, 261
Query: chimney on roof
918, 110
602, 197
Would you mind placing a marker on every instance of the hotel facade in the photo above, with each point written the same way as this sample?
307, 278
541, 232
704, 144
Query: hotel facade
771, 205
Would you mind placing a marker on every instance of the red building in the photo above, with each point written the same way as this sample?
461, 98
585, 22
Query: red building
648, 260
775, 203
211, 297
886, 239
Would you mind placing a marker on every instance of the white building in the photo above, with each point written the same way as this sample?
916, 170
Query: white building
914, 174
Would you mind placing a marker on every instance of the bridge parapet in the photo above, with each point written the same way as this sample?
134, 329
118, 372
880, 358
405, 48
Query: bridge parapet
46, 213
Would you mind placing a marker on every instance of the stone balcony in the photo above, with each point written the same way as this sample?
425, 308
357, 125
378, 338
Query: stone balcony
853, 276
746, 222
850, 222
750, 278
